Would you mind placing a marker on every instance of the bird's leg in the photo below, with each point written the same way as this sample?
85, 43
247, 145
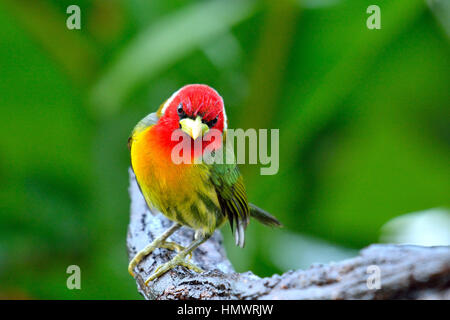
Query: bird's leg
171, 246
179, 260
159, 242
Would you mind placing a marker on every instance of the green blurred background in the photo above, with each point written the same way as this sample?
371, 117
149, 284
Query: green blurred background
363, 118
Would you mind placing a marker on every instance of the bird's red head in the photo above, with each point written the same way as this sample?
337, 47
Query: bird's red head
196, 109
192, 101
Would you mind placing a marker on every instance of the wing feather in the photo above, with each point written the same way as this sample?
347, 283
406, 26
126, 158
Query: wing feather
232, 198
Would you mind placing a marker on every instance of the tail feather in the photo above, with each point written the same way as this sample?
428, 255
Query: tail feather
239, 234
263, 216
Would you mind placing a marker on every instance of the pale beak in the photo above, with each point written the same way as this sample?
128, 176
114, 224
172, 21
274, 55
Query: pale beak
194, 128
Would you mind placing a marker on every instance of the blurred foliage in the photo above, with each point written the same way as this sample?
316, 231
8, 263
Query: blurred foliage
363, 118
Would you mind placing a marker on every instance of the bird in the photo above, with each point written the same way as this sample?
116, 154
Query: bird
195, 194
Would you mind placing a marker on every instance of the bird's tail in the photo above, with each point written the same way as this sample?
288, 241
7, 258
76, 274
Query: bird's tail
263, 216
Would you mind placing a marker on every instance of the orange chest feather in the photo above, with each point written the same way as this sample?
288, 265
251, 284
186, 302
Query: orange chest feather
177, 190
162, 182
151, 159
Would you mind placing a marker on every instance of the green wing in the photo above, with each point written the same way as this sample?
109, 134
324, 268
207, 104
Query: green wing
232, 197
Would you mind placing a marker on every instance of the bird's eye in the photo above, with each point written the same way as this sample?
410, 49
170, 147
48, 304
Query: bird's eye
212, 122
180, 110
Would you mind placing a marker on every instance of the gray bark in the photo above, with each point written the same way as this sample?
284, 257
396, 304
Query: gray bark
406, 272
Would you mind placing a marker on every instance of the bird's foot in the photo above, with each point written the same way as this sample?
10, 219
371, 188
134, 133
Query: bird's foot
178, 260
172, 246
149, 249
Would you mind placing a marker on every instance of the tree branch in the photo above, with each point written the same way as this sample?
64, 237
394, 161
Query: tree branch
406, 272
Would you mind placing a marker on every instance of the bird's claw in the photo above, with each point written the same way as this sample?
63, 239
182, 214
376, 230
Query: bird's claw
172, 246
178, 260
149, 249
